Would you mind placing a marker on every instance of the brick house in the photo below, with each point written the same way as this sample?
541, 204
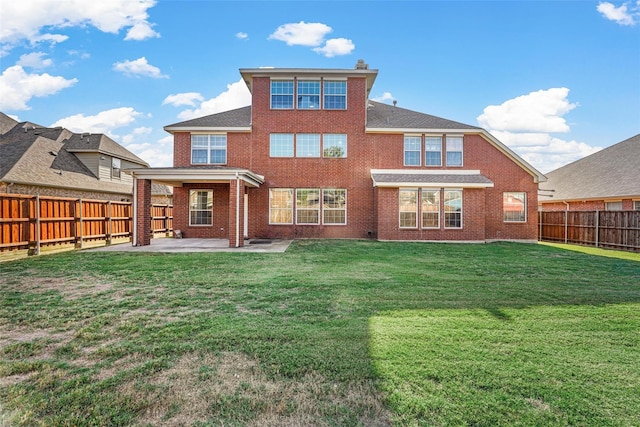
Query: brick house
606, 180
313, 157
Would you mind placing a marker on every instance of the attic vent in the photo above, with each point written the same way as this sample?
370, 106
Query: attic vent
53, 153
361, 65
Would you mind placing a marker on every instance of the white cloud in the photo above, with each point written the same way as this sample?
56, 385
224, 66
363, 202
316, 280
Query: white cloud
139, 67
384, 97
186, 98
137, 132
242, 36
237, 95
24, 20
17, 87
302, 33
336, 47
539, 111
103, 122
525, 125
158, 154
623, 15
34, 60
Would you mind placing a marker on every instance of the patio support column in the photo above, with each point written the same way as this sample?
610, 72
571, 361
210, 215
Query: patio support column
142, 214
236, 213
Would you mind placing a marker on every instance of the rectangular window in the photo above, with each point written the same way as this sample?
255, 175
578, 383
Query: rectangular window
430, 208
453, 209
200, 207
334, 145
335, 95
613, 206
308, 95
307, 206
636, 205
281, 145
281, 94
115, 167
308, 145
454, 151
433, 151
334, 206
280, 206
514, 206
209, 149
412, 148
408, 200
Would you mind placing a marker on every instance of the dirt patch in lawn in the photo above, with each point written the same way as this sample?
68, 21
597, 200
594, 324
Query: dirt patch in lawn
70, 288
233, 387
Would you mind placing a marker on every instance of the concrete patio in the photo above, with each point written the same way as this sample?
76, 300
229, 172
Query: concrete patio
199, 245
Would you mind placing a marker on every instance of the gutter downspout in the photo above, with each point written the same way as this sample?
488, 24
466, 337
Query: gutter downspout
237, 210
566, 222
134, 241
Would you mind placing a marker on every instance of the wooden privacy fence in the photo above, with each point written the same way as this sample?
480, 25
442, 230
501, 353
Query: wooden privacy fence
31, 222
604, 229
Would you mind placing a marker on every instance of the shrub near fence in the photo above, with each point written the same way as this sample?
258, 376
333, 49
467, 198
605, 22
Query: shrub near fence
33, 222
604, 229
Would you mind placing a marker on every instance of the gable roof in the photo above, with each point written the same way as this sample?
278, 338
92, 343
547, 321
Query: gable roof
385, 116
6, 123
100, 143
609, 173
238, 119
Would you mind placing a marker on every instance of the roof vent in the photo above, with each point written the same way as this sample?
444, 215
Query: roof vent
53, 153
361, 65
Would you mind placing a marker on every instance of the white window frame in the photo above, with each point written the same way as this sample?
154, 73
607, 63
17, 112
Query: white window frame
280, 140
326, 210
411, 140
308, 140
289, 208
424, 211
325, 147
325, 83
199, 209
300, 94
449, 140
116, 167
505, 199
292, 94
636, 205
613, 206
306, 208
212, 138
406, 208
429, 140
451, 190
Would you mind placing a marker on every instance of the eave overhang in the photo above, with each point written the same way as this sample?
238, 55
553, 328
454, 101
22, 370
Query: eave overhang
215, 129
396, 178
177, 177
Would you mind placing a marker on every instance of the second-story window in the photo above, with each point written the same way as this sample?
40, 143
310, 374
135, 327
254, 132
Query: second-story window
308, 145
281, 94
281, 145
209, 149
454, 150
335, 95
334, 145
433, 151
412, 146
115, 167
308, 95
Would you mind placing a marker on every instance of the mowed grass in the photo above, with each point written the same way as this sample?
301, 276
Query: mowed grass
329, 333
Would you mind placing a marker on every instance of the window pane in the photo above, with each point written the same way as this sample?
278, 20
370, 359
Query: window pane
334, 206
430, 209
308, 145
308, 95
281, 145
453, 209
412, 146
335, 95
408, 207
307, 206
433, 151
200, 207
281, 206
211, 149
614, 206
454, 151
281, 94
334, 145
514, 206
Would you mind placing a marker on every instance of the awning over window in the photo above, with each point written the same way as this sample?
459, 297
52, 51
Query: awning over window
396, 178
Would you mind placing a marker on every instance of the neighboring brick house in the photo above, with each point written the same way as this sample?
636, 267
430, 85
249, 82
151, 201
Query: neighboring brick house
606, 180
36, 160
313, 157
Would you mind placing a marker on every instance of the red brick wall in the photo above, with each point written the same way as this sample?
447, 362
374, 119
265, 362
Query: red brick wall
220, 227
143, 212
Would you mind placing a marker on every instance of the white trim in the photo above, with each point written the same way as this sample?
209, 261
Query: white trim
237, 210
207, 129
134, 241
175, 177
426, 171
430, 185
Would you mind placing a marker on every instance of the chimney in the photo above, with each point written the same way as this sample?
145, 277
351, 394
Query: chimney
361, 65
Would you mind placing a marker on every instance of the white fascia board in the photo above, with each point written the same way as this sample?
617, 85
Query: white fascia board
452, 132
426, 171
172, 129
448, 185
196, 175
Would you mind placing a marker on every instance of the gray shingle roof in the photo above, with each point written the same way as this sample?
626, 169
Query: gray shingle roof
609, 173
6, 123
240, 117
383, 116
382, 178
100, 143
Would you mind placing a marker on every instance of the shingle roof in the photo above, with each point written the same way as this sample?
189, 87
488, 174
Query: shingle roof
609, 173
389, 178
100, 143
384, 116
6, 123
240, 117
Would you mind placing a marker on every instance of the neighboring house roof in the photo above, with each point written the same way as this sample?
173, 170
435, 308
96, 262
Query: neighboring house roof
613, 172
100, 143
6, 123
240, 119
385, 116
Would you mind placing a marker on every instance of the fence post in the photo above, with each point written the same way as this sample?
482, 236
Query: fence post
37, 230
80, 235
597, 228
109, 225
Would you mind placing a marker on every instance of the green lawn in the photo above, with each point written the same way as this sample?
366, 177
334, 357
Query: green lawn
330, 333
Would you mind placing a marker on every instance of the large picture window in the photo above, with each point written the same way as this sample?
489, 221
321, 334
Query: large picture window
201, 207
281, 94
281, 206
335, 95
307, 206
334, 145
209, 149
334, 206
514, 206
433, 151
430, 208
308, 95
453, 209
308, 145
408, 208
281, 145
454, 151
412, 148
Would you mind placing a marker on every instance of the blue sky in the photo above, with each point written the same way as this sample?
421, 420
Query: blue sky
555, 81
